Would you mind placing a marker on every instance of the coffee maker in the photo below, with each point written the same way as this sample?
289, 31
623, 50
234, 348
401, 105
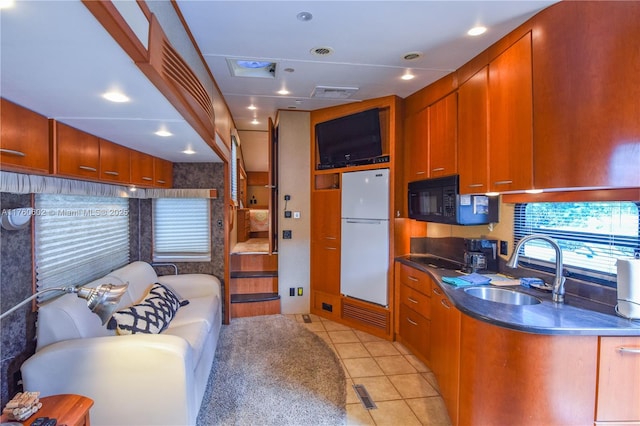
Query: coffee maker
480, 255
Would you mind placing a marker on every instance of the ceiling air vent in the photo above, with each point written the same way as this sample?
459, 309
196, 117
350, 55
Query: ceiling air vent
321, 51
327, 92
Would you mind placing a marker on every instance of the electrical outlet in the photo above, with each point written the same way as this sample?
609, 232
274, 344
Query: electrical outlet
286, 234
504, 248
292, 291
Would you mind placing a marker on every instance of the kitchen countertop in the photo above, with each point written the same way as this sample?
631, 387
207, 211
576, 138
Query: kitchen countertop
576, 316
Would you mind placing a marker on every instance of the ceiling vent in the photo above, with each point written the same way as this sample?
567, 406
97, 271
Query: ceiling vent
257, 68
327, 92
321, 51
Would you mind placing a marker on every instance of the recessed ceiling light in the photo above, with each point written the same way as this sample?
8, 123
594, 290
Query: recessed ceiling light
252, 107
116, 97
492, 194
255, 121
476, 31
534, 191
283, 92
164, 133
6, 4
189, 151
304, 16
408, 76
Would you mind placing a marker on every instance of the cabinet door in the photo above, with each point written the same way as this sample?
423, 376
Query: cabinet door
443, 124
114, 162
619, 380
78, 153
163, 173
414, 329
472, 133
141, 168
587, 124
416, 145
445, 349
24, 139
511, 119
325, 241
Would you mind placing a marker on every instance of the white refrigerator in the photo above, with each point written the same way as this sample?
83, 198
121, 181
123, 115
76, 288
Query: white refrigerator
364, 259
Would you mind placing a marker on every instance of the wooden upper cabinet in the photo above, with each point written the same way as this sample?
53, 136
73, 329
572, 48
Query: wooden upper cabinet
78, 153
585, 80
24, 139
141, 169
619, 380
472, 133
443, 124
417, 145
163, 173
114, 162
511, 119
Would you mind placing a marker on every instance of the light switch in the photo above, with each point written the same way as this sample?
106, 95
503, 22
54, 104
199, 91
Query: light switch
296, 215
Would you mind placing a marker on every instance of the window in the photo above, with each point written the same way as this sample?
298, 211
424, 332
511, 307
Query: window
181, 230
79, 238
592, 236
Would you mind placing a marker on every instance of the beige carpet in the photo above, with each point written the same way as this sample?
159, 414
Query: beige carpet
269, 370
252, 245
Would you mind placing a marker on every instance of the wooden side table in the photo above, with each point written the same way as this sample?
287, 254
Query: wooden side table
69, 410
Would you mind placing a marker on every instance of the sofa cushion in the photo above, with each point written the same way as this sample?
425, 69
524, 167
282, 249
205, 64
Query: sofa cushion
199, 309
151, 315
195, 334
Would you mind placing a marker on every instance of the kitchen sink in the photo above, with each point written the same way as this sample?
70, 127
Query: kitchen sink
501, 295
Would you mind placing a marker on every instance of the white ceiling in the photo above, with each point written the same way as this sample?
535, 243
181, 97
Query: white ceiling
368, 38
57, 60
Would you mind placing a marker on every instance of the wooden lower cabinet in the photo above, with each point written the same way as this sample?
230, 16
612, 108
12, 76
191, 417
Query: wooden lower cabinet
509, 377
414, 309
444, 352
414, 329
618, 380
244, 226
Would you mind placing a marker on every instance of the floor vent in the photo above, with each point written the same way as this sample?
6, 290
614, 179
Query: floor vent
364, 397
366, 316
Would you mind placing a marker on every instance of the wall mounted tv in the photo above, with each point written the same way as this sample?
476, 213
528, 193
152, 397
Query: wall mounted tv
350, 140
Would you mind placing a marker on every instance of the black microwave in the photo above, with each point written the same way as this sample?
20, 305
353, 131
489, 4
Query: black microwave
438, 200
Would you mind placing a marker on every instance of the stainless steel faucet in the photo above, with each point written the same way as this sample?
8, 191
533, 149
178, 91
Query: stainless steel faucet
558, 284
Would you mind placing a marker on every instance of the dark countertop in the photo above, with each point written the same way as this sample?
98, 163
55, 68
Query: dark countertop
576, 316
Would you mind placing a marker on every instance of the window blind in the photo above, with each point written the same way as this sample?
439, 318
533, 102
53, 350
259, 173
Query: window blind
181, 229
79, 238
592, 236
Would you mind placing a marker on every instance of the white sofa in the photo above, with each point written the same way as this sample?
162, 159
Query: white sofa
136, 379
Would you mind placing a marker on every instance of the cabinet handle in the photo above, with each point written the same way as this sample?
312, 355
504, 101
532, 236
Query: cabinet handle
437, 169
412, 322
331, 248
629, 350
503, 182
437, 291
88, 169
475, 185
412, 300
161, 182
445, 303
12, 152
110, 173
330, 238
413, 278
420, 173
146, 178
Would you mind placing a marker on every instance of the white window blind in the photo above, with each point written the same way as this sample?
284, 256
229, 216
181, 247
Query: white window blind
234, 170
592, 236
79, 238
181, 230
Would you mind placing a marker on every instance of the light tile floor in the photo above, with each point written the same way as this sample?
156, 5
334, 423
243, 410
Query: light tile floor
404, 390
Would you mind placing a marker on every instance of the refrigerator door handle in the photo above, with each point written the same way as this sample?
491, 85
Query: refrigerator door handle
364, 221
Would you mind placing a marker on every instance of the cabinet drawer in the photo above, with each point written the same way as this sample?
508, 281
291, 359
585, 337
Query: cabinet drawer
618, 373
415, 279
414, 330
416, 301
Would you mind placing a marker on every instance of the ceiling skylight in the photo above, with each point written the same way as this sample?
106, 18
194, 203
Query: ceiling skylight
251, 68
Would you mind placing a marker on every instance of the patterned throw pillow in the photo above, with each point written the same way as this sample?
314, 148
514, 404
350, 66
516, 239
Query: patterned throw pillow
152, 315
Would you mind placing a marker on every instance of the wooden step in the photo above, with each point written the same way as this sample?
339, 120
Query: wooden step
253, 262
253, 284
254, 304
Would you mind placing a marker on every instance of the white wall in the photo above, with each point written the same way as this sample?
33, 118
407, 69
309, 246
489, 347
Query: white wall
294, 180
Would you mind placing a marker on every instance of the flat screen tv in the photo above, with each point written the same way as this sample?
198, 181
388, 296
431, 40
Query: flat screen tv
349, 140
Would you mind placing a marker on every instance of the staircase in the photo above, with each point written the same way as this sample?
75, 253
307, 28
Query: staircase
254, 284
